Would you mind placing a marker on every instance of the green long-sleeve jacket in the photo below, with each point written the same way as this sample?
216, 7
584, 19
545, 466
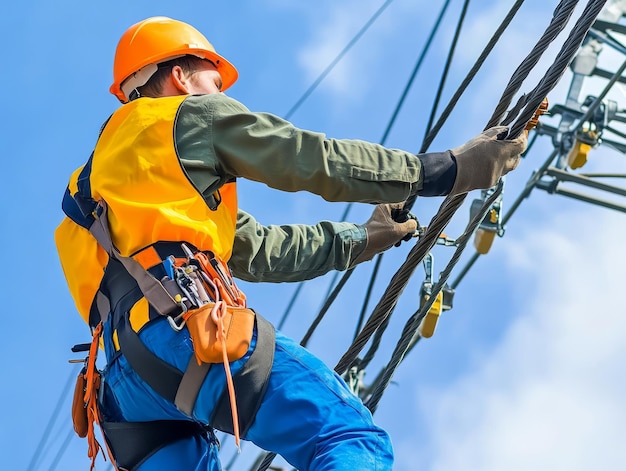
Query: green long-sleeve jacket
218, 139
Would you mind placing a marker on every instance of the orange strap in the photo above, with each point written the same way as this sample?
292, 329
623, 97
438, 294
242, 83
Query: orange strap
217, 315
92, 379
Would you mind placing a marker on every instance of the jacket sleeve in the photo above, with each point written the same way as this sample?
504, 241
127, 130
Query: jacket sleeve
292, 252
219, 139
265, 148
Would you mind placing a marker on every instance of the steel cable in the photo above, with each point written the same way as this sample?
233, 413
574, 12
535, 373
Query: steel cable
445, 114
450, 204
470, 76
383, 140
269, 456
538, 173
447, 210
547, 83
412, 325
562, 14
380, 331
446, 68
559, 66
338, 58
47, 431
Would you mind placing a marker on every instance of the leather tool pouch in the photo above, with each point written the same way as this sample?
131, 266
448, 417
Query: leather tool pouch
79, 411
238, 325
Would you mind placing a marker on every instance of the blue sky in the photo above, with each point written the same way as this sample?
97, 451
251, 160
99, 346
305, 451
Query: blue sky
526, 372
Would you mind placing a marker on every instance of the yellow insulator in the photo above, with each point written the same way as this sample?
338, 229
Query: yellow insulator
577, 156
483, 239
429, 322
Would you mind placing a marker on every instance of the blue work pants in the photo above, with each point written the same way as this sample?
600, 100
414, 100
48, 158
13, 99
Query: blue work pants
308, 414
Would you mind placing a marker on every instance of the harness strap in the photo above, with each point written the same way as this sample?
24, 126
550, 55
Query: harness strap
182, 388
250, 382
190, 385
160, 375
153, 289
132, 443
103, 305
169, 382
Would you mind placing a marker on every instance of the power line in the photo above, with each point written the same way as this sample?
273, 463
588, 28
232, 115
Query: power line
546, 84
336, 60
394, 116
46, 433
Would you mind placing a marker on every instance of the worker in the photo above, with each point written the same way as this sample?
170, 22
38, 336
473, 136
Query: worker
163, 173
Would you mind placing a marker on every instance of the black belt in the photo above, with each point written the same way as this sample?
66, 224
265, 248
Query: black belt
132, 443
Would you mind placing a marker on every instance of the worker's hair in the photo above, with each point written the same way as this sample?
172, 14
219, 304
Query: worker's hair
154, 85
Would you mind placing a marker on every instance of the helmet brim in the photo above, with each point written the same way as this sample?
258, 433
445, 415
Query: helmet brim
227, 71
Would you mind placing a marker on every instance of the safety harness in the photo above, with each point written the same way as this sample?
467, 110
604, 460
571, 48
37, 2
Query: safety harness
126, 280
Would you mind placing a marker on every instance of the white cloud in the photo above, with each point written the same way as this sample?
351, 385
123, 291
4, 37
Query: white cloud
550, 395
365, 67
340, 23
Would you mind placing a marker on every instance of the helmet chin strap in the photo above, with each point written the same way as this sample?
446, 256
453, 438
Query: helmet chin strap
141, 77
134, 94
138, 79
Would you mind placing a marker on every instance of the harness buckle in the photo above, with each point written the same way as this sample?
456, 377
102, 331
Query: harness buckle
174, 321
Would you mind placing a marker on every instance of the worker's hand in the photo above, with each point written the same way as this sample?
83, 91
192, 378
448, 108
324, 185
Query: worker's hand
383, 231
483, 160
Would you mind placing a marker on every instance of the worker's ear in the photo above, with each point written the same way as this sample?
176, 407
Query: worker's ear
180, 80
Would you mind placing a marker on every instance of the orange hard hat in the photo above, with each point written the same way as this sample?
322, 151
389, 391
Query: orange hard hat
159, 39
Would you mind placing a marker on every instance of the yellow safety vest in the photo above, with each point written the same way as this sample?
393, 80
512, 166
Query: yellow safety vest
150, 198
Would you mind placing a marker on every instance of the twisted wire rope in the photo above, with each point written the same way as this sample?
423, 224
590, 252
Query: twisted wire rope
452, 203
546, 84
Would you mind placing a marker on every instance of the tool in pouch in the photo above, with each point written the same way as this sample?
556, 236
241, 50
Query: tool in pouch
219, 323
187, 301
218, 320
